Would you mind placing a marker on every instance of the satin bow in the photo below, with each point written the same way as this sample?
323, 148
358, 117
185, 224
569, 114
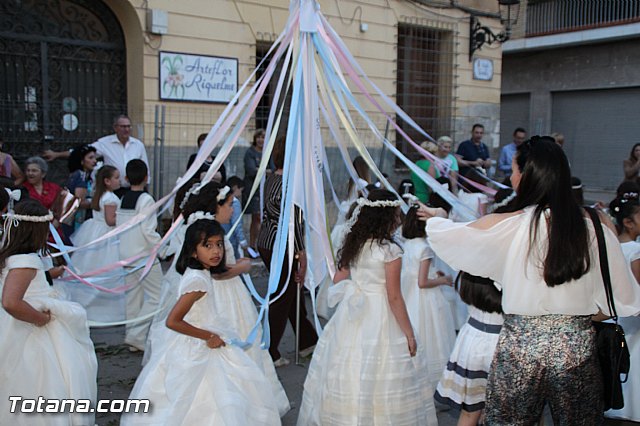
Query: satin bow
349, 291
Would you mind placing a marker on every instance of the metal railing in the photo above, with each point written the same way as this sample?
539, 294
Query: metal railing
558, 16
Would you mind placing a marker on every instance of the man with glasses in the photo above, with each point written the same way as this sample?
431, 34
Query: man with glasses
508, 151
116, 150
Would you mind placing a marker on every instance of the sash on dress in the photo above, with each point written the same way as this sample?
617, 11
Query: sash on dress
350, 291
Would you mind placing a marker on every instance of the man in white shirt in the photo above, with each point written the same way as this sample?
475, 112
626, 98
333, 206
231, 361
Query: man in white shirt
117, 150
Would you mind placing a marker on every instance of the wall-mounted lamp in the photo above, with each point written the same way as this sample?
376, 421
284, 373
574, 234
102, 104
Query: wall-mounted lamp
480, 34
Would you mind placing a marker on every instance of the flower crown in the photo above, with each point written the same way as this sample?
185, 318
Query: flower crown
12, 220
199, 215
222, 194
195, 189
364, 202
504, 202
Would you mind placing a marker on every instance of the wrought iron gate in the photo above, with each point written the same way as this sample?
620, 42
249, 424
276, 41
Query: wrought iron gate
62, 73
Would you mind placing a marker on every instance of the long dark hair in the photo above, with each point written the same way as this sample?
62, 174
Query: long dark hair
197, 233
206, 200
105, 172
375, 223
413, 227
27, 237
546, 184
479, 292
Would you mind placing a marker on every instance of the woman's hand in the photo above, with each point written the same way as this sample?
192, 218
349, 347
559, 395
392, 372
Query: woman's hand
56, 272
214, 341
425, 212
412, 345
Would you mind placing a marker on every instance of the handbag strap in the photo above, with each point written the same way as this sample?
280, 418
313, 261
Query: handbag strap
604, 261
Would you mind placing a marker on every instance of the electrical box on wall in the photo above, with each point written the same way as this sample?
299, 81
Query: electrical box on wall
157, 21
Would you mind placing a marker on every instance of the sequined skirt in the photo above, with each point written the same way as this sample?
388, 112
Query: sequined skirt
540, 360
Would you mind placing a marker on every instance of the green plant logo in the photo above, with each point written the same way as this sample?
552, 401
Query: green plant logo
175, 80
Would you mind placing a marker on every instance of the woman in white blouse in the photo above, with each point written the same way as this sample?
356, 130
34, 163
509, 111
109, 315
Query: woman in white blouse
545, 256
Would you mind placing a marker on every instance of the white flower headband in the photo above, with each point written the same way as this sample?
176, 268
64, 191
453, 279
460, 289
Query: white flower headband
199, 215
363, 202
222, 194
502, 203
195, 189
12, 220
412, 200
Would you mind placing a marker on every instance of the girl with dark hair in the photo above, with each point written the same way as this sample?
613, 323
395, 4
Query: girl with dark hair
626, 211
545, 256
464, 379
100, 305
199, 376
44, 341
367, 368
428, 309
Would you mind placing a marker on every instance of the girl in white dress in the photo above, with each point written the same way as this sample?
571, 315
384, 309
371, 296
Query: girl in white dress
198, 377
626, 211
215, 201
367, 368
44, 341
100, 306
428, 309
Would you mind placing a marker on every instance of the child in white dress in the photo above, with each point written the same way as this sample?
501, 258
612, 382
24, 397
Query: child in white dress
626, 211
198, 377
366, 368
428, 309
100, 306
44, 341
233, 296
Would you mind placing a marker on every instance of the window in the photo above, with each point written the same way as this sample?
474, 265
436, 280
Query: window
424, 83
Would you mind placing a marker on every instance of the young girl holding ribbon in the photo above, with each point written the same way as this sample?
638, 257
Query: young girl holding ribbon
213, 201
44, 341
198, 376
100, 306
367, 367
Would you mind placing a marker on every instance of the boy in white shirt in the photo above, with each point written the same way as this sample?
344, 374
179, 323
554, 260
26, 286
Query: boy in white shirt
144, 296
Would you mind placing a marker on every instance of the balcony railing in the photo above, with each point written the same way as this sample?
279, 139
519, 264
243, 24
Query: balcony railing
559, 16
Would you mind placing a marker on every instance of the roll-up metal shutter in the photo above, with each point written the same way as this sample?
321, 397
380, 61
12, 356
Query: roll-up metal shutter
514, 113
600, 127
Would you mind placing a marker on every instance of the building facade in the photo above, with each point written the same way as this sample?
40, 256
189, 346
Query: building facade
573, 67
70, 66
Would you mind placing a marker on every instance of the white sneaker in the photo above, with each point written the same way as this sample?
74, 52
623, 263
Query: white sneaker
308, 351
281, 362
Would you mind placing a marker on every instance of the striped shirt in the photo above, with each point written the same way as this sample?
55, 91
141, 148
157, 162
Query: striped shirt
271, 214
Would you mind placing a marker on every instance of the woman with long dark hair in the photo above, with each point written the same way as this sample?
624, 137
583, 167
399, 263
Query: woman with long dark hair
631, 166
545, 256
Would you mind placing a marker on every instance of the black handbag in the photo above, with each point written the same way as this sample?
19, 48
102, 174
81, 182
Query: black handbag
612, 349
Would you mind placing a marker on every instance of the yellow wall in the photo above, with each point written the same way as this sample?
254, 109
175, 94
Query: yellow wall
231, 28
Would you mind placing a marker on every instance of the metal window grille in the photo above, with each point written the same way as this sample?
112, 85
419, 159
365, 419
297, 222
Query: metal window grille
264, 105
425, 83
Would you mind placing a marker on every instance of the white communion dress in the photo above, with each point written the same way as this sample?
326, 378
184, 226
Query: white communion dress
361, 372
428, 309
234, 299
189, 383
100, 305
56, 361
